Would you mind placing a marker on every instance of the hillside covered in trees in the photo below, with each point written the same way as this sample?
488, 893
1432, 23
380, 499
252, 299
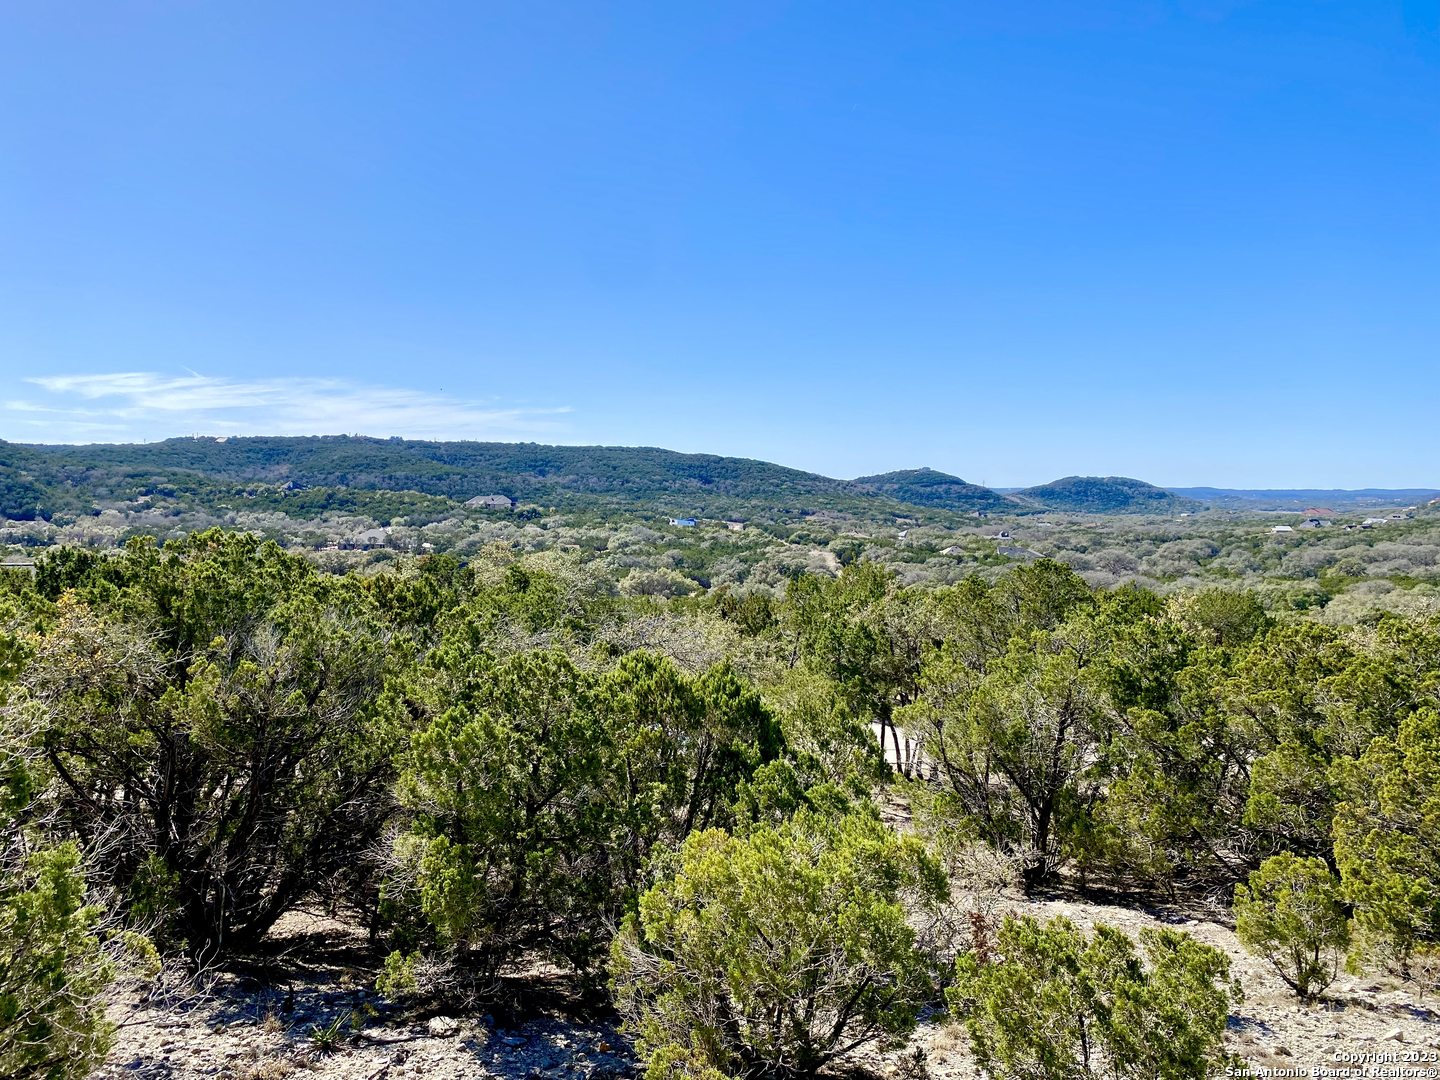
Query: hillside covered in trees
43, 480
927, 487
565, 477
1106, 495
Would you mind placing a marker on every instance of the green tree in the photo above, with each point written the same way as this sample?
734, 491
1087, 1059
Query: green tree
421, 593
829, 740
216, 710
1176, 771
1387, 838
1277, 701
505, 848
1223, 617
537, 793
858, 630
52, 1018
1041, 595
1018, 743
1050, 1004
774, 953
53, 966
1291, 914
681, 748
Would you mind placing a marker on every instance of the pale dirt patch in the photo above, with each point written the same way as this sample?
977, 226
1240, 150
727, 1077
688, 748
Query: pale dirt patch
256, 1022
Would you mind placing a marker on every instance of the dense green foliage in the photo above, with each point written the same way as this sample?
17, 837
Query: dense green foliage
772, 953
573, 476
217, 716
52, 1022
1387, 837
52, 963
927, 487
539, 792
1290, 913
1105, 495
1047, 1002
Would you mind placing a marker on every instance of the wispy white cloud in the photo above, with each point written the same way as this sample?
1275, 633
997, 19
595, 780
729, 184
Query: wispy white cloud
149, 405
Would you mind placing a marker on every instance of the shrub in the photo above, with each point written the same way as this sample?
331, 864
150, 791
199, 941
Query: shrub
1017, 743
535, 798
771, 954
505, 843
1050, 1003
215, 710
53, 966
1290, 913
52, 1022
1387, 839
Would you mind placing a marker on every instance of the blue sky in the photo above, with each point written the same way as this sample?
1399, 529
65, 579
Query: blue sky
1196, 242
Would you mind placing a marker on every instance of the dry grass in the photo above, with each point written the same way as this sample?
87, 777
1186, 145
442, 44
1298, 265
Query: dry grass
270, 1068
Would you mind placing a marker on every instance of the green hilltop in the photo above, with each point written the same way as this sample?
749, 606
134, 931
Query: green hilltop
1105, 495
929, 487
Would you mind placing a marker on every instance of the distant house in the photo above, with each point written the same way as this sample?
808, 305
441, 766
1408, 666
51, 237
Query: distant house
1282, 528
902, 534
1017, 552
684, 523
1001, 535
1322, 512
490, 502
370, 538
1371, 522
18, 562
1314, 523
735, 526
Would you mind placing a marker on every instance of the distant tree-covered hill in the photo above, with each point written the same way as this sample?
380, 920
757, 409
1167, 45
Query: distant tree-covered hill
928, 487
21, 498
388, 478
570, 477
1105, 495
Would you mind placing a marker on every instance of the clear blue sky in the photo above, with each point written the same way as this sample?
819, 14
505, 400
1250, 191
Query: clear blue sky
1191, 242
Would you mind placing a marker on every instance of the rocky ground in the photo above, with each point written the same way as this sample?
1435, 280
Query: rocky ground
1273, 1029
308, 1010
